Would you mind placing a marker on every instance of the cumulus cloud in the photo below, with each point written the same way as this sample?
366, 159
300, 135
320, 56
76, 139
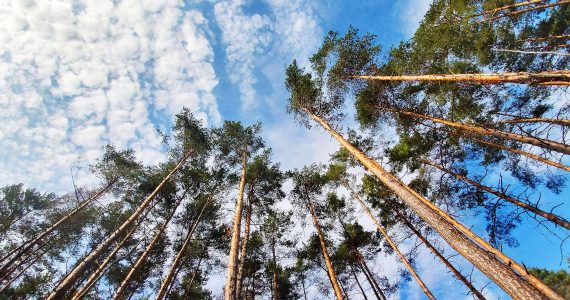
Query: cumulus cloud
79, 74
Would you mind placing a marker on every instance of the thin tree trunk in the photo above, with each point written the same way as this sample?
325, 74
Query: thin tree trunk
343, 289
560, 77
554, 37
549, 216
119, 293
493, 11
31, 263
330, 271
61, 289
523, 51
274, 257
561, 122
500, 273
358, 282
517, 12
26, 246
194, 274
304, 289
547, 144
162, 292
371, 280
13, 268
244, 242
390, 241
455, 272
230, 288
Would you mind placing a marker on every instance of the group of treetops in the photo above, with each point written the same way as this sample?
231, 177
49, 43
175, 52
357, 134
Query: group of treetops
467, 118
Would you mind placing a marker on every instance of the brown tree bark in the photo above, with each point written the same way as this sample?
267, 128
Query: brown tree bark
390, 241
274, 258
230, 288
433, 250
561, 122
330, 271
119, 293
560, 77
515, 285
61, 289
549, 216
518, 12
162, 292
546, 144
28, 245
371, 280
493, 11
244, 242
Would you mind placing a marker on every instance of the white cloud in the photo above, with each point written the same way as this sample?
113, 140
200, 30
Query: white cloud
411, 14
77, 75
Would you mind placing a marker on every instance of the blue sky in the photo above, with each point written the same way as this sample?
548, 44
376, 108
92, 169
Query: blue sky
80, 74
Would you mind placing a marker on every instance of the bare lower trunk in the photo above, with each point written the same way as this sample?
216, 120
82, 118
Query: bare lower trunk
518, 12
28, 245
390, 241
546, 144
230, 288
162, 292
244, 243
119, 293
511, 282
549, 216
62, 288
560, 77
498, 9
455, 272
330, 271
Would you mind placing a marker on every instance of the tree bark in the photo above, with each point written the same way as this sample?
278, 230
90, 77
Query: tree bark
358, 282
549, 216
162, 292
31, 263
517, 12
547, 144
561, 122
230, 288
455, 272
330, 271
119, 293
390, 241
244, 242
26, 246
559, 77
505, 277
493, 11
274, 258
191, 282
371, 280
61, 289
540, 39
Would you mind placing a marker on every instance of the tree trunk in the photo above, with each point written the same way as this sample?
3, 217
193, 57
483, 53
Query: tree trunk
390, 241
304, 289
371, 280
191, 282
549, 216
330, 271
123, 286
244, 242
540, 39
162, 292
26, 246
493, 11
358, 282
547, 144
31, 263
561, 122
230, 288
455, 272
523, 153
505, 277
274, 258
560, 77
62, 288
517, 12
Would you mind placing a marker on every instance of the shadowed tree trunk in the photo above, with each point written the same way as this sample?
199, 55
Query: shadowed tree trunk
549, 216
244, 243
194, 274
371, 280
61, 289
511, 282
358, 283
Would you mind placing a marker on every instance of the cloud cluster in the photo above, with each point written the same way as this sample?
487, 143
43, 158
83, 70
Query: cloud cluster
79, 74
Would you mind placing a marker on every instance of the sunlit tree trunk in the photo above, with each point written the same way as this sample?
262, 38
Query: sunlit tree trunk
521, 11
511, 282
61, 289
446, 262
517, 4
549, 216
230, 288
561, 122
244, 243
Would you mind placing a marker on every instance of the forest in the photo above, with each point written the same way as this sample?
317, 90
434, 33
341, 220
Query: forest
447, 142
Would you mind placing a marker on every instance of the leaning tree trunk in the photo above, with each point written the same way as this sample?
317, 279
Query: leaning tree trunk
358, 283
561, 122
162, 292
549, 216
369, 276
230, 288
390, 241
119, 293
493, 11
511, 282
330, 271
557, 77
61, 289
455, 272
546, 144
26, 246
195, 273
244, 242
518, 12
